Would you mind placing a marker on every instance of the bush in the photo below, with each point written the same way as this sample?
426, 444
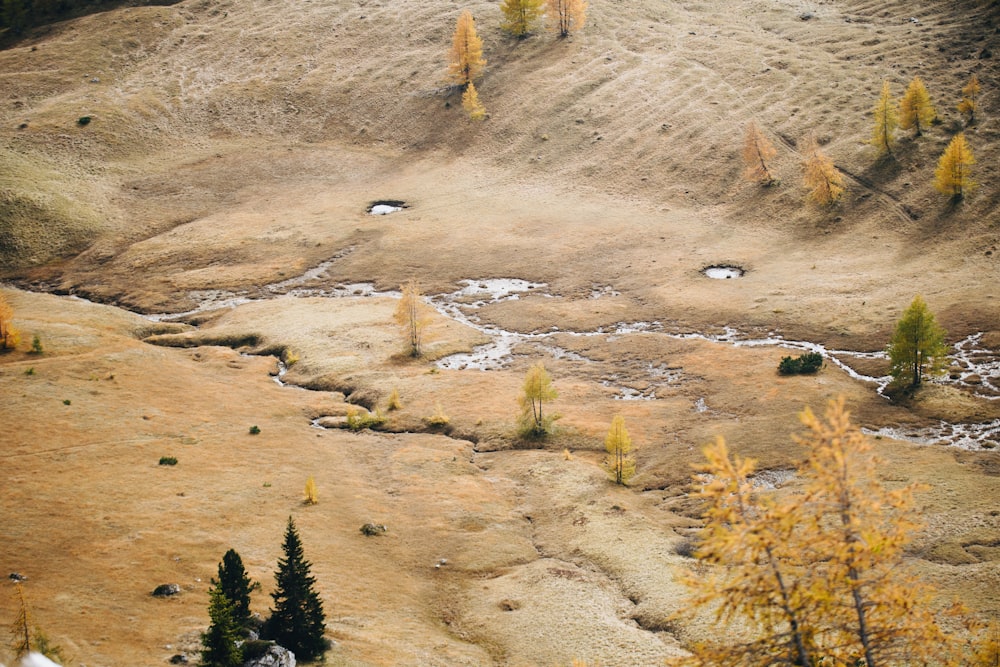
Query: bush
36, 345
168, 460
438, 419
254, 430
804, 364
83, 120
358, 421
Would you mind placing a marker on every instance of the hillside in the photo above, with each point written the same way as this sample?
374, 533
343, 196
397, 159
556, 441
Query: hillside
232, 151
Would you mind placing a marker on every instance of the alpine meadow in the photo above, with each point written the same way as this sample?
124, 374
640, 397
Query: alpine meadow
506, 332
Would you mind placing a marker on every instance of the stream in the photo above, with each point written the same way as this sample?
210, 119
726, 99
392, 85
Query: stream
974, 367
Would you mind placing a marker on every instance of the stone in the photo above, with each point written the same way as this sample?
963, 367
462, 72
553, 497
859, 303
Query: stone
274, 656
166, 590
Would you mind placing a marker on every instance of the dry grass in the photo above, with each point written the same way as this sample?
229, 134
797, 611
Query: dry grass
236, 144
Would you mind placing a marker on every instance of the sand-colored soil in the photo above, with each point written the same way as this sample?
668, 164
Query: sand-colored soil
235, 146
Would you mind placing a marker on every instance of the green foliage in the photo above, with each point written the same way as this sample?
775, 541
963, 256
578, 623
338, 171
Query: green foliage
538, 391
236, 586
804, 364
438, 419
83, 120
297, 621
917, 346
219, 642
30, 371
256, 648
521, 16
168, 460
254, 430
36, 345
66, 401
618, 445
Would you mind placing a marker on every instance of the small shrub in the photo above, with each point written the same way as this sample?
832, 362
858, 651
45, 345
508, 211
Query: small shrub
311, 494
36, 345
30, 371
66, 401
804, 364
438, 419
254, 430
83, 120
394, 403
168, 460
291, 358
358, 420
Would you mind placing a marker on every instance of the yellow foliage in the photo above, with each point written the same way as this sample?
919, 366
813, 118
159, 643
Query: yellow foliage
567, 456
471, 103
953, 174
412, 315
439, 418
466, 61
970, 99
618, 445
757, 152
9, 336
915, 109
393, 402
886, 120
538, 390
565, 16
311, 495
520, 16
824, 181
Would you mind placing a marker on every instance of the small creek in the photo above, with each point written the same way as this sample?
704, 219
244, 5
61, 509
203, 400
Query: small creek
974, 367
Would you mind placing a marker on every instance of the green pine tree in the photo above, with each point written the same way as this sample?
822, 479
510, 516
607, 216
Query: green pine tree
234, 583
219, 647
297, 621
917, 346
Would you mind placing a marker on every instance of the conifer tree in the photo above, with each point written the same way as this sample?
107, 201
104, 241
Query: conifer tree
466, 61
757, 153
538, 390
471, 103
886, 120
520, 16
915, 109
970, 99
618, 445
219, 642
565, 16
297, 621
953, 176
236, 586
9, 336
917, 346
21, 627
412, 315
824, 181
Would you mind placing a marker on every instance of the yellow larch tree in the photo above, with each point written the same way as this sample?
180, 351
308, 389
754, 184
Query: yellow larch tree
619, 462
915, 109
311, 495
412, 315
953, 174
826, 185
565, 16
758, 151
466, 61
471, 103
521, 16
9, 336
537, 391
886, 121
970, 99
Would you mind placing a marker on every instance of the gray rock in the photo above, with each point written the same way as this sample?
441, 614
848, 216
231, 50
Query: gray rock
276, 656
166, 590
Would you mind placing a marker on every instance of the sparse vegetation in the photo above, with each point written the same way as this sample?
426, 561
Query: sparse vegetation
168, 460
359, 419
758, 152
537, 391
619, 462
36, 345
970, 99
412, 315
917, 347
953, 174
438, 419
565, 16
804, 364
826, 185
471, 103
393, 403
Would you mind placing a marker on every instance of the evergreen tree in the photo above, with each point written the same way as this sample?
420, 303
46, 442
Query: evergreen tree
297, 621
236, 586
14, 15
520, 16
953, 174
917, 346
466, 62
970, 99
915, 109
219, 642
886, 120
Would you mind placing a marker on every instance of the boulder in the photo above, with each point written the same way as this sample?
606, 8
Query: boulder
166, 590
274, 656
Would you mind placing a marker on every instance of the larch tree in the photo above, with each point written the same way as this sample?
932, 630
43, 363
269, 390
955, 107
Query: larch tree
538, 390
9, 336
619, 462
970, 99
297, 621
917, 346
886, 121
815, 577
21, 627
521, 16
466, 61
915, 109
565, 16
953, 176
758, 151
471, 103
826, 185
220, 644
236, 586
412, 315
